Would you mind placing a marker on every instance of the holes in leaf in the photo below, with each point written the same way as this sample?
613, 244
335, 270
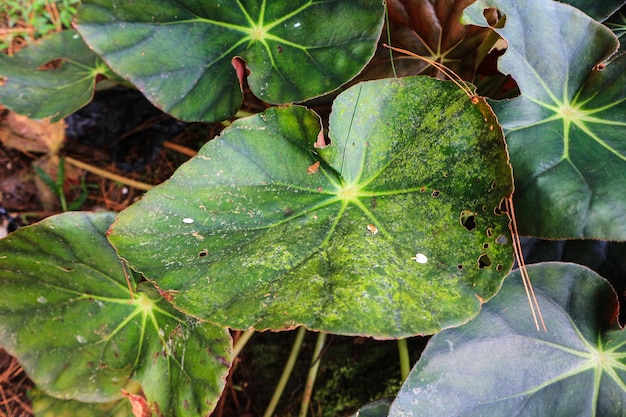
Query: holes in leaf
280, 49
51, 65
485, 245
484, 261
489, 232
501, 208
499, 267
423, 189
492, 186
203, 253
495, 18
484, 208
459, 267
435, 193
445, 175
468, 220
502, 240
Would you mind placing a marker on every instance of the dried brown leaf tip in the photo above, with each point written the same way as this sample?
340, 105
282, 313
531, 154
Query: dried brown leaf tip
139, 405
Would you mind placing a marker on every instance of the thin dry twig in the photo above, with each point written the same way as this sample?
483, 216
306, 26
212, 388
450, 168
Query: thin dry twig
13, 386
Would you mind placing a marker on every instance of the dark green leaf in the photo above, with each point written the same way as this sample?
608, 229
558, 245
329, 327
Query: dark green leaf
51, 78
500, 365
566, 131
617, 23
264, 229
67, 314
599, 10
180, 53
45, 406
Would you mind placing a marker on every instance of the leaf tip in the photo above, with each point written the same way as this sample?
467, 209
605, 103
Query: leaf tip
139, 405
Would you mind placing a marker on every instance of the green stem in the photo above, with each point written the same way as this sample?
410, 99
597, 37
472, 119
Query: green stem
393, 65
405, 364
59, 183
310, 379
295, 349
241, 342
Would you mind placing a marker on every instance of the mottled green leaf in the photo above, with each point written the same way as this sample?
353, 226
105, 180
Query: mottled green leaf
566, 131
52, 78
46, 406
500, 365
68, 315
265, 229
180, 53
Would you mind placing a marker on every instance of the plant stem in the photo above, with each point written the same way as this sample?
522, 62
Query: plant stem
393, 65
405, 364
241, 342
310, 380
295, 349
59, 183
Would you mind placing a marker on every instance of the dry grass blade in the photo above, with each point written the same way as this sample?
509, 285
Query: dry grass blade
462, 84
517, 247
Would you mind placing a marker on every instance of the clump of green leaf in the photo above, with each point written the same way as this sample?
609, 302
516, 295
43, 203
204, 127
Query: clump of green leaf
33, 19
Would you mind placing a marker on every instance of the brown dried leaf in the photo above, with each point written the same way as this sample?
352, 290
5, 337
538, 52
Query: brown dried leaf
26, 135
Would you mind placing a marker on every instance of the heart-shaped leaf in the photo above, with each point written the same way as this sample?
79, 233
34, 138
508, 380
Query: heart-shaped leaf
389, 231
67, 314
51, 78
565, 133
500, 365
181, 54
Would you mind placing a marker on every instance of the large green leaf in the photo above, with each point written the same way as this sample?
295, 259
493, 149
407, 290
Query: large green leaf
180, 53
67, 314
52, 78
266, 229
566, 132
500, 365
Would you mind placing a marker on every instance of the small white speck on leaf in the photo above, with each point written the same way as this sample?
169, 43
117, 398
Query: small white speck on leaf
187, 220
420, 258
